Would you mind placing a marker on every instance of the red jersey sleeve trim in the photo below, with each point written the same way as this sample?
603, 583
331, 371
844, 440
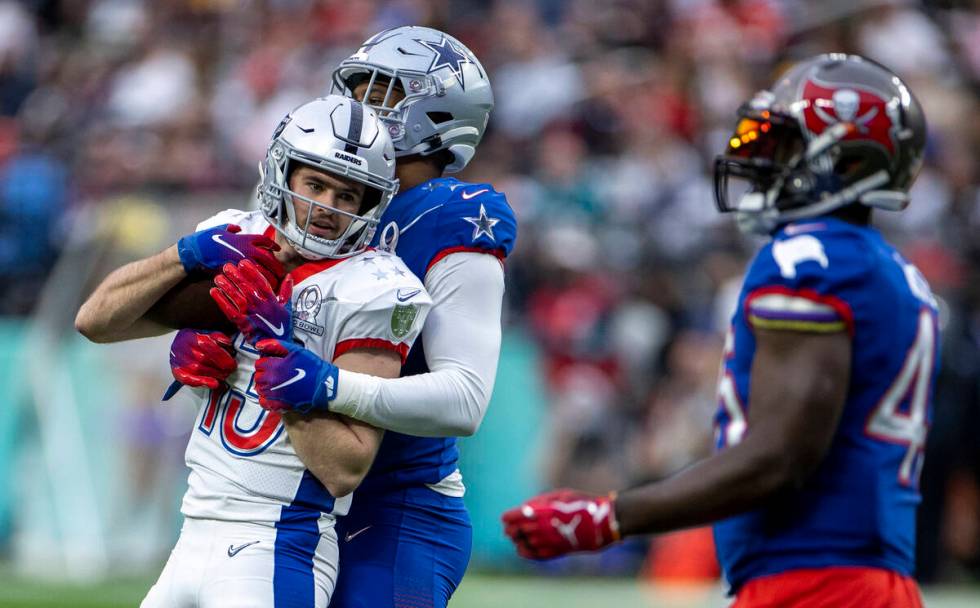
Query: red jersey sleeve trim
498, 253
354, 343
793, 320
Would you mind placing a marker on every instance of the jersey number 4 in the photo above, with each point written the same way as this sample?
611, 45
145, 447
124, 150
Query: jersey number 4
901, 417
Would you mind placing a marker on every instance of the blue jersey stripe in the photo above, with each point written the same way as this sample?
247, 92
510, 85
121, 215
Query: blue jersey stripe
297, 536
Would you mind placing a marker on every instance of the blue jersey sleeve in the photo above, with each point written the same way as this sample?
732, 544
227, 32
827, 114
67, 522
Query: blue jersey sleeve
475, 217
807, 280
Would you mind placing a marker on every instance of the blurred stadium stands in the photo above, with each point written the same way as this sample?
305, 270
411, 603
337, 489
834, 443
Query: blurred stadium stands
124, 122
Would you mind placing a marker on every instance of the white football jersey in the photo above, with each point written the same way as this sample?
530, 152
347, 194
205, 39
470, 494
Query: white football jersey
243, 466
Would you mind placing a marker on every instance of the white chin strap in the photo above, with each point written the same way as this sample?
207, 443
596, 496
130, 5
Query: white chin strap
757, 213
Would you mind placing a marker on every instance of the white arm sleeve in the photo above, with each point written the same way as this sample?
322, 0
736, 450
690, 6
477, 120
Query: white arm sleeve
461, 338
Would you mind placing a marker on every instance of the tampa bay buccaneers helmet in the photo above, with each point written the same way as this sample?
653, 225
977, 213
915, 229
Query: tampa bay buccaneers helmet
834, 130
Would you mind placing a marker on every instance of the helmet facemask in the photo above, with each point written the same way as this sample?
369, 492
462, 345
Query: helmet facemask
411, 85
278, 203
771, 173
834, 130
447, 96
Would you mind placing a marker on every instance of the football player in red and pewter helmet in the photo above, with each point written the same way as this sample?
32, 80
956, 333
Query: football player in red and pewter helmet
825, 393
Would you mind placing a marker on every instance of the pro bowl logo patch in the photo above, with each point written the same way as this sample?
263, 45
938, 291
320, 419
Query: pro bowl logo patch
306, 309
402, 319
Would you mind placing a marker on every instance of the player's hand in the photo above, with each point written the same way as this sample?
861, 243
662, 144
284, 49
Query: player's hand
209, 250
560, 522
247, 298
200, 358
289, 377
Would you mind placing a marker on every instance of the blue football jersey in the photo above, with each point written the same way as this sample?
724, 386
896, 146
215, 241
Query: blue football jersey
858, 507
434, 219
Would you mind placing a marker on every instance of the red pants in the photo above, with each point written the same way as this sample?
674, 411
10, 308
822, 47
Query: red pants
839, 587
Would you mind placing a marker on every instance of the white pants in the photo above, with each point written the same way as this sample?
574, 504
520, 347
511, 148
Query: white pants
245, 565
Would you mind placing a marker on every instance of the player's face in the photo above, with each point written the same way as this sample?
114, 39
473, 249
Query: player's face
331, 192
376, 97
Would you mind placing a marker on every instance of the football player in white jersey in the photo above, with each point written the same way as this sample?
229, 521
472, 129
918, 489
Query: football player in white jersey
407, 539
265, 488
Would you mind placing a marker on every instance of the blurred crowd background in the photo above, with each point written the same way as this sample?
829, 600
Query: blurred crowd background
608, 117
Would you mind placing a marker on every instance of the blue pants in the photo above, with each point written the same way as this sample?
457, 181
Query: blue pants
406, 549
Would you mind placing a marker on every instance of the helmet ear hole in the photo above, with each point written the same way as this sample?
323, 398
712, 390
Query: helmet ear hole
438, 118
372, 196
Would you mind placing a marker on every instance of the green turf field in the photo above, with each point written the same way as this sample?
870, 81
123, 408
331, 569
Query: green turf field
477, 591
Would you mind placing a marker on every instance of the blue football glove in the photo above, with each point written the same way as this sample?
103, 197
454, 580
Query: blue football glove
209, 250
289, 377
245, 296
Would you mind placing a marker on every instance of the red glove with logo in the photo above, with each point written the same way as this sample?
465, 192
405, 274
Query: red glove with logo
200, 358
560, 522
246, 297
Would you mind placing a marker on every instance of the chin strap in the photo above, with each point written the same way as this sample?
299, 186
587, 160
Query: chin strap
756, 213
889, 200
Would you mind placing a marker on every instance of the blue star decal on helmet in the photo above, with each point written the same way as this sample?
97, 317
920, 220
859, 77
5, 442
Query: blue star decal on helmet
447, 56
483, 224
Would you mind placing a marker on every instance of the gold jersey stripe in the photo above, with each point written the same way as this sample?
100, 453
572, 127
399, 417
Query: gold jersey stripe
808, 326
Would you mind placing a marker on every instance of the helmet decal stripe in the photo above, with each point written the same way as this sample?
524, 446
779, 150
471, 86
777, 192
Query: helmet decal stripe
356, 124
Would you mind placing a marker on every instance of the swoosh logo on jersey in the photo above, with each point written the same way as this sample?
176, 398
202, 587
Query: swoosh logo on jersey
300, 374
417, 218
407, 295
468, 195
352, 535
217, 239
233, 550
276, 329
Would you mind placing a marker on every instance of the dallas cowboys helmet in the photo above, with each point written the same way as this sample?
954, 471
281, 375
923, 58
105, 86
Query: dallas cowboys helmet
342, 137
835, 130
447, 92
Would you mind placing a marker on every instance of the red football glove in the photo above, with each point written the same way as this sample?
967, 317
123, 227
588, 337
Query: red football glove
560, 522
245, 296
200, 358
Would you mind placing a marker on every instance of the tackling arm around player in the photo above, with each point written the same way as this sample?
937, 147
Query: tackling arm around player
409, 536
412, 531
825, 391
262, 504
337, 450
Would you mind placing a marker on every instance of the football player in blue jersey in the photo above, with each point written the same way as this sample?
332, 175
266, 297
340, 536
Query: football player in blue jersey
407, 541
826, 384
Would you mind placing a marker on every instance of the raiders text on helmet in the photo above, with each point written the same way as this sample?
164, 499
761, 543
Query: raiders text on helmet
340, 136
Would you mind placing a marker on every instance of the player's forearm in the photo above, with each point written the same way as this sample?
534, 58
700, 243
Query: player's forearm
462, 346
444, 403
799, 387
337, 453
736, 480
115, 309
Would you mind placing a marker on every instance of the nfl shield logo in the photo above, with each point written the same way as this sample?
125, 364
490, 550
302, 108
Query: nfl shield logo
402, 319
